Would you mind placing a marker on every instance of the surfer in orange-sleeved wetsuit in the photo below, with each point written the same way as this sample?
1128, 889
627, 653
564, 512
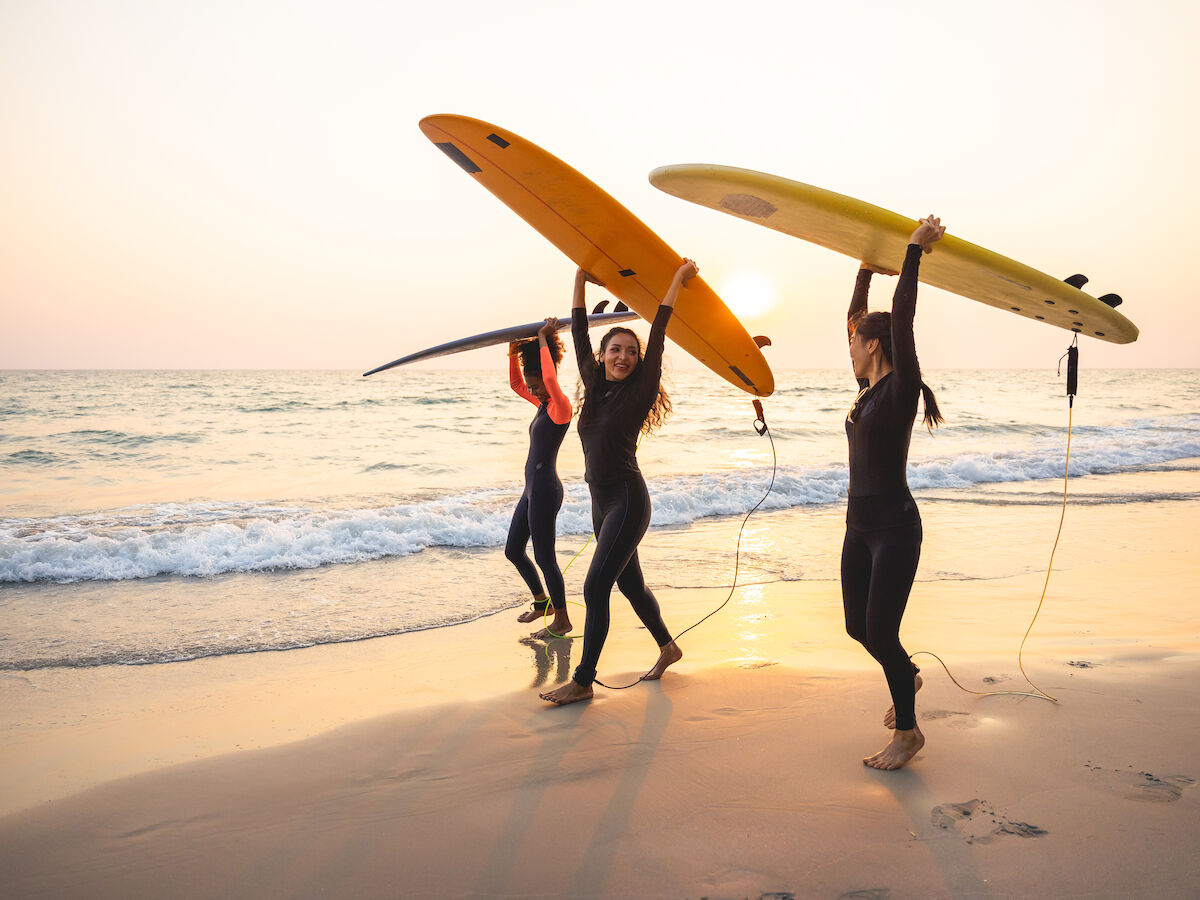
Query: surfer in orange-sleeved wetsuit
883, 527
536, 380
622, 397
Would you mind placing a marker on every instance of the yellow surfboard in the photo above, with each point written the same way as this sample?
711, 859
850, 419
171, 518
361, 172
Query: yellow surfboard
879, 237
600, 235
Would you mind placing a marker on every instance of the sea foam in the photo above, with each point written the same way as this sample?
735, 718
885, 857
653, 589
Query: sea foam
210, 538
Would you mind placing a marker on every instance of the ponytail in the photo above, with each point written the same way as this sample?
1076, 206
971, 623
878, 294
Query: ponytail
878, 326
933, 415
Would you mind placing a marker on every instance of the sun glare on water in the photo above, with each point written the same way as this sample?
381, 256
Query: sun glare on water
748, 293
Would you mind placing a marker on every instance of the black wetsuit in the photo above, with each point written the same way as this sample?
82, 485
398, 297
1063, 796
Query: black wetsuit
537, 510
608, 426
883, 526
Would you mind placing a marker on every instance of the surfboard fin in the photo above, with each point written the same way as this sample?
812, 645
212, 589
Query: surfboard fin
1113, 300
762, 340
1076, 281
599, 307
620, 307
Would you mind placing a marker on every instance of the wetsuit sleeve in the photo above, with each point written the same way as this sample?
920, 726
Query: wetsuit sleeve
904, 311
858, 306
559, 407
858, 301
517, 382
585, 359
652, 359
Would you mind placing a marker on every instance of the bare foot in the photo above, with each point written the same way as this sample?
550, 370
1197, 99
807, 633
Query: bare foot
889, 717
571, 692
903, 746
560, 627
537, 610
670, 654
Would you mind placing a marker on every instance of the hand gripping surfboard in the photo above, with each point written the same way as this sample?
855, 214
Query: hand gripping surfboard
502, 336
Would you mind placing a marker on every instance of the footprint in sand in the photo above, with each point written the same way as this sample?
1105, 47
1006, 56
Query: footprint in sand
784, 895
1082, 664
957, 719
978, 822
868, 894
1145, 786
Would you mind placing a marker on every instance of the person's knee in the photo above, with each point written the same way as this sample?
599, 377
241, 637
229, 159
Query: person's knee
514, 552
545, 558
635, 589
856, 631
595, 591
884, 646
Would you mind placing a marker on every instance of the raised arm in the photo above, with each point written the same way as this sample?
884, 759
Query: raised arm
904, 303
862, 285
558, 407
686, 271
585, 358
516, 380
858, 300
652, 357
581, 280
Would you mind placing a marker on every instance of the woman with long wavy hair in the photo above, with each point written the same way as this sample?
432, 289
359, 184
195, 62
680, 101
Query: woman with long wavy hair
622, 397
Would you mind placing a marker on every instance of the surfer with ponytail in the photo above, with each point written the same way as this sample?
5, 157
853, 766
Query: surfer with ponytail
622, 397
883, 526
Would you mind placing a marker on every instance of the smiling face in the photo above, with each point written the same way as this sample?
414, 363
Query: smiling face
537, 387
621, 355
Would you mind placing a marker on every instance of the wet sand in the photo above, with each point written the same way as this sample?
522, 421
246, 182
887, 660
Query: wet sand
423, 765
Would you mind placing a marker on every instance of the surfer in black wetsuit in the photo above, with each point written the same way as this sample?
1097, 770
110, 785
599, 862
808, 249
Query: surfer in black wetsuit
883, 527
536, 380
622, 397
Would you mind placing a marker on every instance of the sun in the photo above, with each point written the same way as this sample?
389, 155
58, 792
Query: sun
748, 293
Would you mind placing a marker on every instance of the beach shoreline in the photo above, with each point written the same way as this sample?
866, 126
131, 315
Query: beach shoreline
363, 768
722, 782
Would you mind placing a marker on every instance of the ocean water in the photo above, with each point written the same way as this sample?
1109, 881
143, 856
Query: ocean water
153, 517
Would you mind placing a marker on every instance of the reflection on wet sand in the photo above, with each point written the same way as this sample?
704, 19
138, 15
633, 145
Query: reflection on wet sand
553, 654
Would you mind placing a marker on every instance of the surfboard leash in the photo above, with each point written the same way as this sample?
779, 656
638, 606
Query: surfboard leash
760, 425
1072, 358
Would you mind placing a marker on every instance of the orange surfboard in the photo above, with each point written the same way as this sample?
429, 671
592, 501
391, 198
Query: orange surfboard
604, 238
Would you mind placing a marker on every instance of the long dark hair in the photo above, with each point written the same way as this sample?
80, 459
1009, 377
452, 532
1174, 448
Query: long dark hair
662, 403
530, 353
878, 326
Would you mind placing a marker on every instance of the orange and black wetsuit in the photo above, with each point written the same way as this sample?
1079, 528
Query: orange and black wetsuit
537, 510
883, 526
609, 423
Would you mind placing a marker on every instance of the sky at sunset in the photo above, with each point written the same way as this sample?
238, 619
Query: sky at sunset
243, 184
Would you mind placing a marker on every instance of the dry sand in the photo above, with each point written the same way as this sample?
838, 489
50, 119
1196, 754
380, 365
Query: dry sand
423, 765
